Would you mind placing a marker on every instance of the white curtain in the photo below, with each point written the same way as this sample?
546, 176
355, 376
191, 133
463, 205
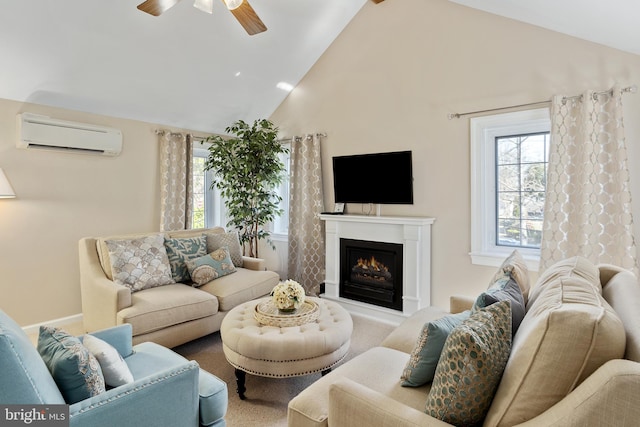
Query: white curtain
306, 235
176, 182
588, 201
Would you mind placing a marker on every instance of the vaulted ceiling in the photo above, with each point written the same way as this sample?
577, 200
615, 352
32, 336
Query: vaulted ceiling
192, 70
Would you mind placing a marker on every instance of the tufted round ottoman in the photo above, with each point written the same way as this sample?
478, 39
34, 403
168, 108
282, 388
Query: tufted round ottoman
278, 352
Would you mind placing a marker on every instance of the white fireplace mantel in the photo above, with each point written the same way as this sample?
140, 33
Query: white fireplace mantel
414, 233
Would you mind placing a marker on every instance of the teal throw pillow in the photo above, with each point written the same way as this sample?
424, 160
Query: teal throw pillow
75, 370
503, 289
210, 267
471, 366
229, 239
421, 366
180, 250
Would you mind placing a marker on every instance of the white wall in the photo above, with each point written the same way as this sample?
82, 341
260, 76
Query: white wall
390, 79
61, 198
388, 82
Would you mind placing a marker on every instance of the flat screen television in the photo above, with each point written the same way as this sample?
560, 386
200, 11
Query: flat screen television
379, 178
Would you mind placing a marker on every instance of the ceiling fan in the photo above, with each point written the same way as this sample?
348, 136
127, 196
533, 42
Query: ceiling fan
241, 9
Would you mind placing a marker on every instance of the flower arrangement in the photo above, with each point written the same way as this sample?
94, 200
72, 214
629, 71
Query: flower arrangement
287, 295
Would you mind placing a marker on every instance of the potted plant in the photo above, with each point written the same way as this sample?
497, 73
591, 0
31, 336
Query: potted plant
247, 170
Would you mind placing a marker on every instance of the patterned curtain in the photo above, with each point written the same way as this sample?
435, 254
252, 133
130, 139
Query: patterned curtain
176, 182
588, 201
306, 234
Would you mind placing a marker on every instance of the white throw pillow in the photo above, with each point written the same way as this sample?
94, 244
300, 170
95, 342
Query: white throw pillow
114, 368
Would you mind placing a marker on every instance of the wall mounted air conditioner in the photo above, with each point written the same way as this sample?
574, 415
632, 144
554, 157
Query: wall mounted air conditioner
36, 131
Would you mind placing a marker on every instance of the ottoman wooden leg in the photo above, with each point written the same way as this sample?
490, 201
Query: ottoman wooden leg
326, 371
240, 377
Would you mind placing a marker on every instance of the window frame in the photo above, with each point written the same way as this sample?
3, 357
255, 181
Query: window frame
483, 133
214, 207
280, 226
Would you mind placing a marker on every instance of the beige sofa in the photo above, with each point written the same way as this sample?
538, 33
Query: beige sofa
566, 367
169, 315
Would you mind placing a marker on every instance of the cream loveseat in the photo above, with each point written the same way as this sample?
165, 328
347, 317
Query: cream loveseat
171, 314
574, 361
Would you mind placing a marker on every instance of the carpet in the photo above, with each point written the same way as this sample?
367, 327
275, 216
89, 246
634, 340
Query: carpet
267, 398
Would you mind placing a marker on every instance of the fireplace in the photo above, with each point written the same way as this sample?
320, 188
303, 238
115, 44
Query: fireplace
371, 272
412, 233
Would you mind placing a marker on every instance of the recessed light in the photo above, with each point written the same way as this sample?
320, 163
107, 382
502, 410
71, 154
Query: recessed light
285, 86
237, 74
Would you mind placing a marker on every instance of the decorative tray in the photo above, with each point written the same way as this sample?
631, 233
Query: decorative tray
267, 314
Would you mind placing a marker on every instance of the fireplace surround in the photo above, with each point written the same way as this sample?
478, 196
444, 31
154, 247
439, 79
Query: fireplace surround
413, 234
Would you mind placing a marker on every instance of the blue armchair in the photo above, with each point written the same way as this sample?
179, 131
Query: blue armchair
168, 390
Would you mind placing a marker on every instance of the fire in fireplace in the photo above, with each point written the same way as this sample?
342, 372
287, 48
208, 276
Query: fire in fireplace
371, 272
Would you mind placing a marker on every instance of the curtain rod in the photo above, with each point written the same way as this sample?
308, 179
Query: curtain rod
165, 132
300, 138
202, 138
628, 89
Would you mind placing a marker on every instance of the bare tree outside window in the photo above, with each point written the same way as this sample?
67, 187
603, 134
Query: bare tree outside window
521, 166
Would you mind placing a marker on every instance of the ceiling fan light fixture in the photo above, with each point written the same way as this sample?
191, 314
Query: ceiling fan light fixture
204, 5
233, 4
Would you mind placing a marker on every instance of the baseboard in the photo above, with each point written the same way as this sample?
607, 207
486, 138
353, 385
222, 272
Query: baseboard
63, 321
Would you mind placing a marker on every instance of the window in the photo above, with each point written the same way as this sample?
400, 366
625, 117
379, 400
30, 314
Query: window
208, 205
281, 223
521, 171
509, 155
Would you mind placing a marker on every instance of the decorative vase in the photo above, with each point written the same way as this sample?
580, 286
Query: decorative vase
287, 296
289, 310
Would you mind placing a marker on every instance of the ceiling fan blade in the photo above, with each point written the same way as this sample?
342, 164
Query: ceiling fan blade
157, 7
248, 18
377, 1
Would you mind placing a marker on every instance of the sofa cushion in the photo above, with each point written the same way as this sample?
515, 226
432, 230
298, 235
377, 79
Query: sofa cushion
422, 363
403, 338
568, 332
471, 365
241, 286
158, 308
194, 232
514, 267
214, 398
140, 263
623, 293
570, 267
503, 289
114, 368
230, 240
210, 267
74, 369
378, 369
182, 249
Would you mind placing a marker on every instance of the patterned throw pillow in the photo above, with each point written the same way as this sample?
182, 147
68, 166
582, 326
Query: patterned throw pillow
421, 366
471, 366
514, 267
504, 289
74, 369
115, 370
140, 263
180, 250
230, 240
210, 267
